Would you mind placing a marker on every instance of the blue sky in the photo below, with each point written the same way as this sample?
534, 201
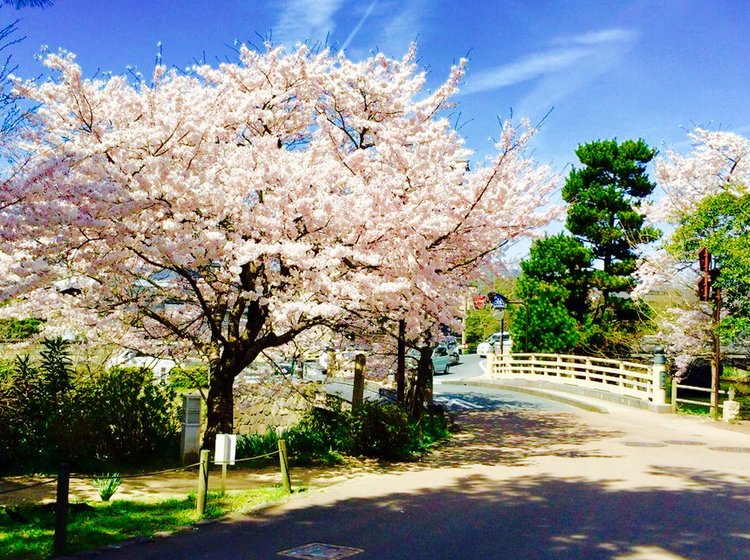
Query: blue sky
607, 69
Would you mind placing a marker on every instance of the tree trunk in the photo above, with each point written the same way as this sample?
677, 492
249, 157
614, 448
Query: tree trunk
220, 406
420, 394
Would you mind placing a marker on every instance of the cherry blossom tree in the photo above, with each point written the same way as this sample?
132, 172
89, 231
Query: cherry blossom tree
224, 211
718, 163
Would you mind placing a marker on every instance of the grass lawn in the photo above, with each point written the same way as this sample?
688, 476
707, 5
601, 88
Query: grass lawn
26, 532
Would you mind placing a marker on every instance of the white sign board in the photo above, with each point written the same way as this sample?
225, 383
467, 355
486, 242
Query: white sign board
226, 445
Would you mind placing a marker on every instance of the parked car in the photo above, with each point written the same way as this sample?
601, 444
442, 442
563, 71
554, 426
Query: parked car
484, 347
441, 359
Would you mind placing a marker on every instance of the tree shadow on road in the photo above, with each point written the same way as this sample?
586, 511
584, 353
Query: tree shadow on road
704, 517
517, 437
544, 517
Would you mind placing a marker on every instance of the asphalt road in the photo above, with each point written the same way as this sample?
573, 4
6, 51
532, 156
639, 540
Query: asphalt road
516, 482
450, 391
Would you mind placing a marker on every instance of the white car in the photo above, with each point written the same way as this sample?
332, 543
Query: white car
484, 347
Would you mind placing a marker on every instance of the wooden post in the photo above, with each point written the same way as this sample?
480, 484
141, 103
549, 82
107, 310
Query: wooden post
401, 363
284, 463
61, 509
200, 499
358, 391
716, 370
675, 382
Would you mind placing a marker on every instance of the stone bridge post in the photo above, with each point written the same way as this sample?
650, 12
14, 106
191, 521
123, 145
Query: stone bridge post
491, 360
658, 377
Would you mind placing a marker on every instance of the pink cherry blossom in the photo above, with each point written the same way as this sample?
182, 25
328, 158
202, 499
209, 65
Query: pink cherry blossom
226, 211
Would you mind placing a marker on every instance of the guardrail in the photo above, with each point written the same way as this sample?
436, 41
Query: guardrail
676, 387
628, 380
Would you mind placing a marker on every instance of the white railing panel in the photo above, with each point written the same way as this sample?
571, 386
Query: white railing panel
619, 377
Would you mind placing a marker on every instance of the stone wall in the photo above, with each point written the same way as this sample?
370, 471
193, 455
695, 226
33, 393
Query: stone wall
273, 403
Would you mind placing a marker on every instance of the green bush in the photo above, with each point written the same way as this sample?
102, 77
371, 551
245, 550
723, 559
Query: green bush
255, 445
189, 377
33, 403
107, 485
383, 430
375, 430
18, 329
114, 418
129, 420
323, 435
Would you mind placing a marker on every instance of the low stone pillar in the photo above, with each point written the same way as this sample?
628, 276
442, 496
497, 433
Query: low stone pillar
659, 376
731, 408
731, 411
491, 360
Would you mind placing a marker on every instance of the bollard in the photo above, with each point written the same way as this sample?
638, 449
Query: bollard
200, 499
284, 462
61, 509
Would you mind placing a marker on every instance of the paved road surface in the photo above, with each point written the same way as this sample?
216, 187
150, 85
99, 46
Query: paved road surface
519, 483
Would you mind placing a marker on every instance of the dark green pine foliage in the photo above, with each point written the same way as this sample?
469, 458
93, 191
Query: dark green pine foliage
605, 197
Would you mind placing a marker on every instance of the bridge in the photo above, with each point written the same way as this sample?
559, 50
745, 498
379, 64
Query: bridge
629, 383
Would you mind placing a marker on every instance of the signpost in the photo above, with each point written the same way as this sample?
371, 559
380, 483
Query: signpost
480, 300
226, 446
499, 302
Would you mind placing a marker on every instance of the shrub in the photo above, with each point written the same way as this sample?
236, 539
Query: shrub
383, 430
321, 436
129, 420
189, 377
18, 329
254, 445
374, 430
115, 418
107, 485
33, 403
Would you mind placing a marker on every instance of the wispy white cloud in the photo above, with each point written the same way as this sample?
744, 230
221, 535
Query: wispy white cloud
523, 69
359, 25
587, 51
604, 50
302, 20
615, 35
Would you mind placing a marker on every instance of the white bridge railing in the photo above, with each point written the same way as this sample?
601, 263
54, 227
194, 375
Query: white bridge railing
644, 382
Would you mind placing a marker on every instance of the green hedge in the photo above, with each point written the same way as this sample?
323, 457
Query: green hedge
376, 430
189, 377
112, 419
